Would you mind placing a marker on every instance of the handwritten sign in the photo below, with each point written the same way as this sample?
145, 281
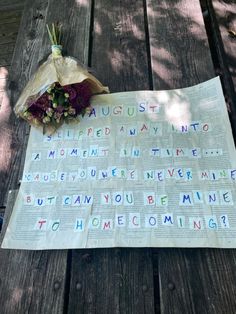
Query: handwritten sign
143, 169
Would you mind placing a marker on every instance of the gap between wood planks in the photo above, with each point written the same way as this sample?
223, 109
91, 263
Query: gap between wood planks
219, 52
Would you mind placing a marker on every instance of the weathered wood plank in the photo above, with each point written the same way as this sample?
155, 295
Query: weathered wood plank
7, 49
30, 281
197, 281
33, 282
9, 28
1, 218
75, 34
225, 12
12, 16
111, 281
6, 52
5, 111
190, 280
5, 60
23, 64
77, 38
119, 53
177, 39
8, 33
12, 4
10, 201
115, 280
222, 20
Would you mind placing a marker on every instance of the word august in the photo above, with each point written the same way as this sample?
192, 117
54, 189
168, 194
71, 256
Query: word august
136, 221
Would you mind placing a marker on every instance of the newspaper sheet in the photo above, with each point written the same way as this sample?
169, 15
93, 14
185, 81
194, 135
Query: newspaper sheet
144, 169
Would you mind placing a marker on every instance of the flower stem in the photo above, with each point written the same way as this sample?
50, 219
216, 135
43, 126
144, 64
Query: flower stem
54, 33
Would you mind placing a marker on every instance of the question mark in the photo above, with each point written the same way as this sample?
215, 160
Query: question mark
223, 218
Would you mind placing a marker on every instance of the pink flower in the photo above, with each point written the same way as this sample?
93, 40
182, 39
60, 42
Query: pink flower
60, 109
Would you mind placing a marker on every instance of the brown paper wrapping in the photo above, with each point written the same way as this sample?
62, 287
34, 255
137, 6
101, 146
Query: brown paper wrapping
65, 71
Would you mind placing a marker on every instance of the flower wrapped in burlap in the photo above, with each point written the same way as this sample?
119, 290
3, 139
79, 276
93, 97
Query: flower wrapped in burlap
59, 91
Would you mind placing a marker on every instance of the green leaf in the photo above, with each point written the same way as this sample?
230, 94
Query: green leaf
50, 35
53, 122
54, 34
83, 112
61, 100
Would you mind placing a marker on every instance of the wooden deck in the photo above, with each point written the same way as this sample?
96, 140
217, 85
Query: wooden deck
10, 16
131, 45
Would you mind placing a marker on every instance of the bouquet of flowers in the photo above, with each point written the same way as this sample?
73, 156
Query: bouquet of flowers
59, 91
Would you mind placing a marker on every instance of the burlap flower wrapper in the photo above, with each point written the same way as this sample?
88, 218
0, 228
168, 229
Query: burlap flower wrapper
62, 72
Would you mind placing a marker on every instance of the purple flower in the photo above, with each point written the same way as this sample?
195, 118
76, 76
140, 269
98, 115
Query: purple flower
71, 91
43, 102
59, 109
83, 96
36, 111
60, 103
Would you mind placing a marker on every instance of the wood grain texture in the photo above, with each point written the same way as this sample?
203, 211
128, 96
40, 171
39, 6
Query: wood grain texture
10, 201
190, 280
180, 54
8, 33
7, 50
10, 16
12, 4
75, 17
222, 19
197, 281
54, 267
119, 53
111, 281
5, 60
115, 280
30, 282
13, 140
9, 25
